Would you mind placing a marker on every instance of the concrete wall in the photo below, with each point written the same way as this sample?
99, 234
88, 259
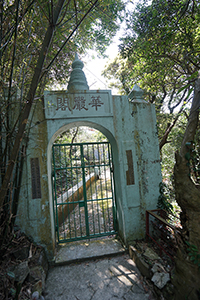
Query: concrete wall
131, 130
135, 130
33, 215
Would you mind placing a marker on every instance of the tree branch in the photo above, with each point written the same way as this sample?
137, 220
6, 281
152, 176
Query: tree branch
33, 86
73, 31
168, 130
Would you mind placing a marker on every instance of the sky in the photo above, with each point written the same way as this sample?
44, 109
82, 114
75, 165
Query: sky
94, 66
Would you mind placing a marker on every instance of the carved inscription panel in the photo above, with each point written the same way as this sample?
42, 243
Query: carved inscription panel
35, 178
130, 172
89, 103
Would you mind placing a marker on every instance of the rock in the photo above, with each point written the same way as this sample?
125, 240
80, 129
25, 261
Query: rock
140, 263
149, 253
21, 271
160, 279
43, 261
38, 265
37, 273
38, 287
157, 268
40, 259
35, 296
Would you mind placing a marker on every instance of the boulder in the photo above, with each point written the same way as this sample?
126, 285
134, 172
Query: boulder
21, 271
160, 279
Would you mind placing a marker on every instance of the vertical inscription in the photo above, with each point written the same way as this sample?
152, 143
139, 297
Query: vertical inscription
130, 173
35, 178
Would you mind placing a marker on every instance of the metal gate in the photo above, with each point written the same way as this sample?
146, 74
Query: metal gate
84, 204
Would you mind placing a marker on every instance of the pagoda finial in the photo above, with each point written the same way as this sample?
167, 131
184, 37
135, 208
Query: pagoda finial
77, 79
136, 94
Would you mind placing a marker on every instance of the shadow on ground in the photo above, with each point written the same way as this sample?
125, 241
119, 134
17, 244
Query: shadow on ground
106, 278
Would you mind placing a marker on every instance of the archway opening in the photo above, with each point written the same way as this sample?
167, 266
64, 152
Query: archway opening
83, 185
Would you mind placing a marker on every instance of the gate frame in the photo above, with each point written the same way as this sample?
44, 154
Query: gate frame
83, 167
116, 173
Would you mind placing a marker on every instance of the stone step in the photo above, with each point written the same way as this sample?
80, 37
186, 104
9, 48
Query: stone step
88, 250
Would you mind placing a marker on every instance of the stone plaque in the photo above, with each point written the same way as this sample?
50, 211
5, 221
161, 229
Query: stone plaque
130, 173
84, 104
35, 178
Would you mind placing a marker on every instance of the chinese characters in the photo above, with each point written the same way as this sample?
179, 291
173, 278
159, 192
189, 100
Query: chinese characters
96, 102
80, 103
62, 103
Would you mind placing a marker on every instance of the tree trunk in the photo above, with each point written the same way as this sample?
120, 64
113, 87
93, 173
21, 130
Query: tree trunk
30, 98
187, 274
33, 86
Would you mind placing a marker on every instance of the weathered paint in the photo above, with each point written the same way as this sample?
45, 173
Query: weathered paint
130, 127
33, 214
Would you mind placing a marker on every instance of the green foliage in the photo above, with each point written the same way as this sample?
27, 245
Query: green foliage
22, 32
23, 29
66, 137
160, 51
193, 159
84, 134
174, 140
194, 254
164, 199
38, 42
168, 157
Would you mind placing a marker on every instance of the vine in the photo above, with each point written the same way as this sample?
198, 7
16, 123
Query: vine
193, 160
163, 199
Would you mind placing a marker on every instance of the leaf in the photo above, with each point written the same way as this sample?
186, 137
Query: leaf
194, 248
187, 156
193, 76
192, 258
13, 292
184, 88
189, 93
11, 274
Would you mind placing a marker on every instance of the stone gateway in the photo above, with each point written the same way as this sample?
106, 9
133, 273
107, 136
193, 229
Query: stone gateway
128, 122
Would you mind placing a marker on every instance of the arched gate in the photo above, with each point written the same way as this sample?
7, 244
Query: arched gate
83, 193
